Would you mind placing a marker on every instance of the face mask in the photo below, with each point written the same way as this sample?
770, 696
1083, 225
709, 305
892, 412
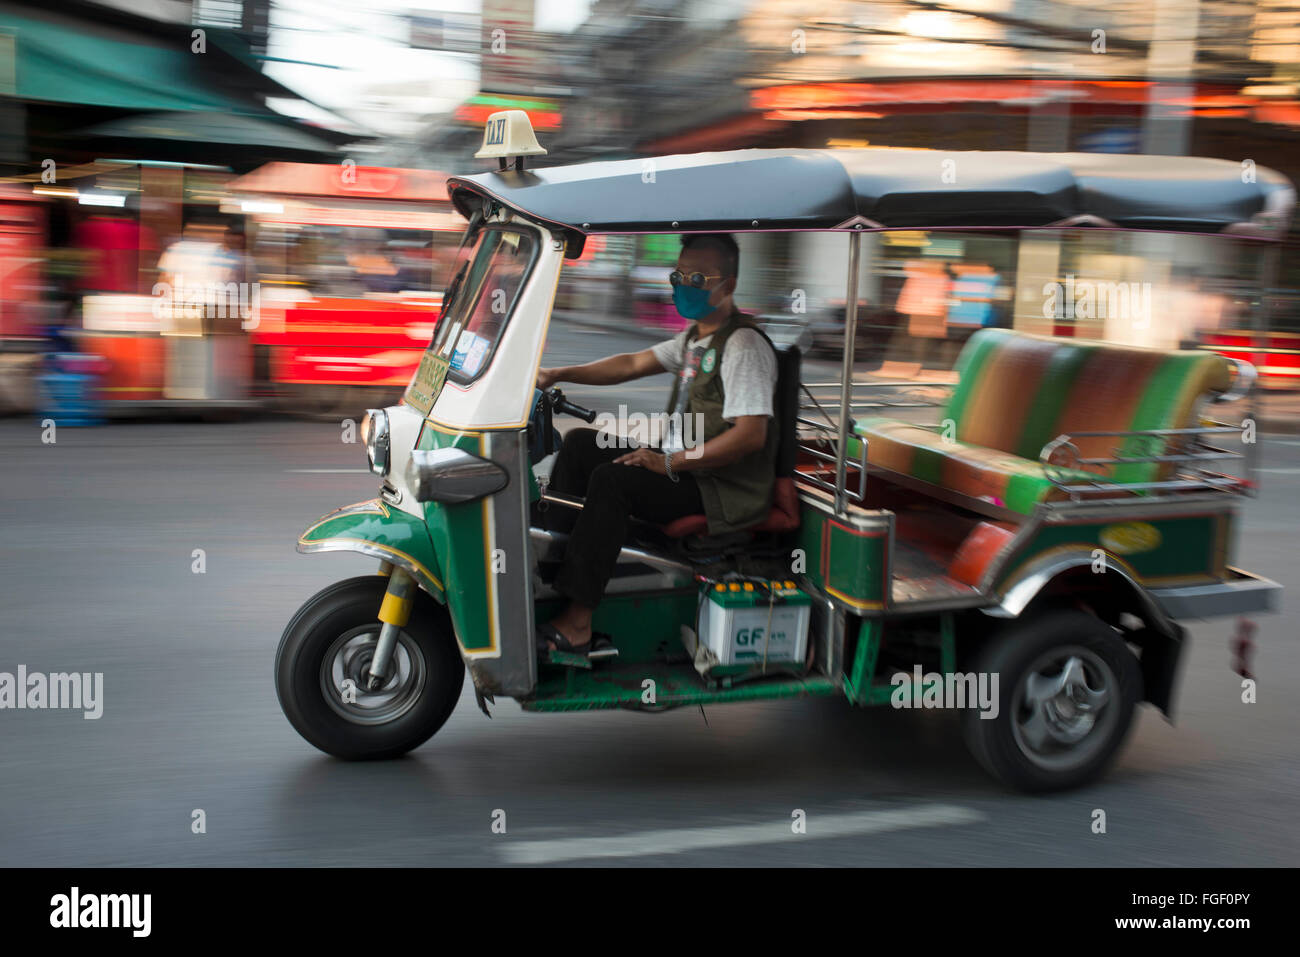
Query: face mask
692, 303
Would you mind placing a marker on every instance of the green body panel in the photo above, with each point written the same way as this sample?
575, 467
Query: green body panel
401, 537
847, 564
861, 671
620, 684
1183, 547
863, 686
645, 626
457, 533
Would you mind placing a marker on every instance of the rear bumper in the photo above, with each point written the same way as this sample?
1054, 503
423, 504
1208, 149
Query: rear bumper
1241, 594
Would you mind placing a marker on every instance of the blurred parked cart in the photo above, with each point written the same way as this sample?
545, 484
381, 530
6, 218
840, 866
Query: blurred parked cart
347, 258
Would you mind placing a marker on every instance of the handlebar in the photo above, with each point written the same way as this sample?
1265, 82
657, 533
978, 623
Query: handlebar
560, 404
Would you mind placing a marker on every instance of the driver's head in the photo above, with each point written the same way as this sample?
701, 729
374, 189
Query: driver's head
708, 262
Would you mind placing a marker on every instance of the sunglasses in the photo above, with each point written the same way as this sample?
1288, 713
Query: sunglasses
695, 279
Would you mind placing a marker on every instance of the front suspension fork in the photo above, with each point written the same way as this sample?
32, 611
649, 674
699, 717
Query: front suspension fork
394, 613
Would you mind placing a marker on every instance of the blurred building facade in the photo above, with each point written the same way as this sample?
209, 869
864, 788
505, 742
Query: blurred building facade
655, 77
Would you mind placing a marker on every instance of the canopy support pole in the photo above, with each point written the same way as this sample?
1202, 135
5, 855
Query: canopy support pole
1258, 322
846, 373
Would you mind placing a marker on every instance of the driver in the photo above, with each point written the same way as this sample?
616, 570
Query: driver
725, 380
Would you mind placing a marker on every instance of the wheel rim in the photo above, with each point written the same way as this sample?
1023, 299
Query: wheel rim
348, 660
1065, 708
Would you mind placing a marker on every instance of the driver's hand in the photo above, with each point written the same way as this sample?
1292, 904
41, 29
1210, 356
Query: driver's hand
651, 459
547, 378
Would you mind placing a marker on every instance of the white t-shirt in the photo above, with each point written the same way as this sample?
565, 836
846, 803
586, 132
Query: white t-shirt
748, 370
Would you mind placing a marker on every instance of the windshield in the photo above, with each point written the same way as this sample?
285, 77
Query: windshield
485, 282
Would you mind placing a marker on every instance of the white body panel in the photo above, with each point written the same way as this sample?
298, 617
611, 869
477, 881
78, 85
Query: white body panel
500, 398
404, 425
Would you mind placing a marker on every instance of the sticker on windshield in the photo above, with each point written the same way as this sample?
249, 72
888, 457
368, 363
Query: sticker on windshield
462, 349
427, 383
478, 351
471, 350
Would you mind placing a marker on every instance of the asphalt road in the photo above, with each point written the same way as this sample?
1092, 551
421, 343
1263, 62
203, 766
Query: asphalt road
97, 538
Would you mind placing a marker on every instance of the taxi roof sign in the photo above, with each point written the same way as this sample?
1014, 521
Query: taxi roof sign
509, 133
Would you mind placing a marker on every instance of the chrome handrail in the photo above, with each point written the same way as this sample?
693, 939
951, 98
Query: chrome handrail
1243, 382
1169, 446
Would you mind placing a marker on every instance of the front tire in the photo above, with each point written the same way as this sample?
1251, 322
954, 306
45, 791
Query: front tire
324, 654
1067, 688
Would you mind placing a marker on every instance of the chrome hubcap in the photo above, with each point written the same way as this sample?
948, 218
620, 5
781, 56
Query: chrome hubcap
1061, 709
345, 670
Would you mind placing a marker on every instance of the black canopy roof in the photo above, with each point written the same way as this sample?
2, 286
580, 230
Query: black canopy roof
890, 189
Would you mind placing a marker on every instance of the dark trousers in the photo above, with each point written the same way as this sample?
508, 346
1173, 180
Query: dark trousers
614, 495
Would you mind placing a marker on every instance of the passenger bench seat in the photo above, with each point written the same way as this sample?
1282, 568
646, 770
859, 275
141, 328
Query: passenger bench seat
1017, 392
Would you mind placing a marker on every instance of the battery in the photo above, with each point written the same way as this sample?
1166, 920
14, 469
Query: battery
751, 623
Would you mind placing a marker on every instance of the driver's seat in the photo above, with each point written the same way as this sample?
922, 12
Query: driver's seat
784, 513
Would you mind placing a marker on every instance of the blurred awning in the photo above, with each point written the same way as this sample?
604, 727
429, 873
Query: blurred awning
226, 129
66, 61
356, 182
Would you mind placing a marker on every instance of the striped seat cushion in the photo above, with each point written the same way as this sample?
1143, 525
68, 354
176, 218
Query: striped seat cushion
990, 475
1017, 392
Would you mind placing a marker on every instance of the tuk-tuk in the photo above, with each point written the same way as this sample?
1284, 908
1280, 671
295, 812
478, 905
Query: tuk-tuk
1027, 559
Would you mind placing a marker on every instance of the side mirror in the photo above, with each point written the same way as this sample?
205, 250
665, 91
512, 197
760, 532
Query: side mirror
452, 476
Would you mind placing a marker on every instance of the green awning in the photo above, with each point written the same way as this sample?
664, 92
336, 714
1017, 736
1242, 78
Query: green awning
73, 62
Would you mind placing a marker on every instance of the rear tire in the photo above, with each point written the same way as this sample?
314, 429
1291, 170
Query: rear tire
1067, 688
328, 644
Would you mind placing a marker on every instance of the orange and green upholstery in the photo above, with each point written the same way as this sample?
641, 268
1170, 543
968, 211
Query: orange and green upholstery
1017, 392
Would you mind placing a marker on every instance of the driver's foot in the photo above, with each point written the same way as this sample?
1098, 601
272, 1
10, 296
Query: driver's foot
576, 636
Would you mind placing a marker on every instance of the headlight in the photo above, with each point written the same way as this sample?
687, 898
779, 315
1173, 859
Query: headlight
375, 435
452, 476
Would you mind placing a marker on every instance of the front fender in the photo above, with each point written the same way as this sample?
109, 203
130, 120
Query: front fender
374, 528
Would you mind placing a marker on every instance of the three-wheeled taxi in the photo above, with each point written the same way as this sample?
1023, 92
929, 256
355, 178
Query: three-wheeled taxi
1040, 542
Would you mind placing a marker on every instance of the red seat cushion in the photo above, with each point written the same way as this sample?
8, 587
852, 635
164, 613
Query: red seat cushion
686, 525
783, 517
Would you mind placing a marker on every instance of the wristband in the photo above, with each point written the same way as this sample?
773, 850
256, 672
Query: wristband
668, 466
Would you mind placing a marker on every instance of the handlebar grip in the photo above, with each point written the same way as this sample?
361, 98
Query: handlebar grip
568, 408
560, 404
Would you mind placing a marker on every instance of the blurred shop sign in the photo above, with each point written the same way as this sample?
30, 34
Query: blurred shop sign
120, 313
511, 54
1116, 139
449, 32
544, 114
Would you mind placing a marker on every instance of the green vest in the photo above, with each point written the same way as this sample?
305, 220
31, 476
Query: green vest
739, 494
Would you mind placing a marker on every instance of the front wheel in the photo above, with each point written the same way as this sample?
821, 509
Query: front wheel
324, 657
1067, 688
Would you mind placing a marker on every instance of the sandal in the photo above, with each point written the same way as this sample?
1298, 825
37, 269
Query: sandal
548, 634
600, 646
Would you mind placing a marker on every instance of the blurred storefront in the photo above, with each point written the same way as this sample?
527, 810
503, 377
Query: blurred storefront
350, 262
124, 127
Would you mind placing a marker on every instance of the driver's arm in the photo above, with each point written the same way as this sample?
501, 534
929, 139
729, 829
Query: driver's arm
610, 371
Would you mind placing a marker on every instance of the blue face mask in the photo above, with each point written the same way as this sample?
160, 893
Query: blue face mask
692, 303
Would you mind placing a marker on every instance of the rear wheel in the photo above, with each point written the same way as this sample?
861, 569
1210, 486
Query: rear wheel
322, 663
1067, 688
